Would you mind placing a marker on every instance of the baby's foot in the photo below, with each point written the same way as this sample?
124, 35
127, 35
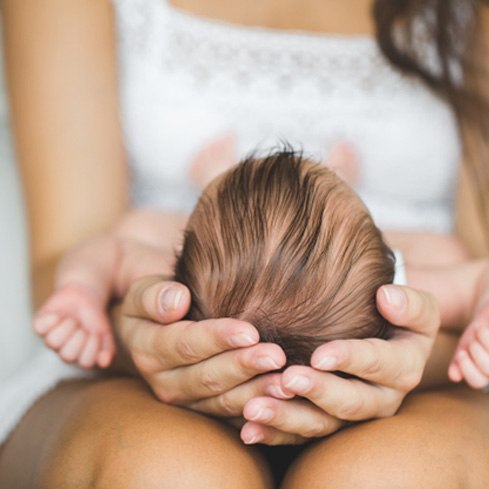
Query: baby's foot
471, 360
74, 323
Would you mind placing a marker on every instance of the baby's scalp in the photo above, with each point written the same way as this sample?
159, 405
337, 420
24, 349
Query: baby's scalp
285, 244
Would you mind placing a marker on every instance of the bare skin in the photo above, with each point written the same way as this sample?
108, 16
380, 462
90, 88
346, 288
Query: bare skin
411, 450
114, 433
75, 413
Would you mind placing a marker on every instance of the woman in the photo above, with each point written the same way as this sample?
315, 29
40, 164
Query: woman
61, 59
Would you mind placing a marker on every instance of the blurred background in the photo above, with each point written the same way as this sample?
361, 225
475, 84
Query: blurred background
17, 342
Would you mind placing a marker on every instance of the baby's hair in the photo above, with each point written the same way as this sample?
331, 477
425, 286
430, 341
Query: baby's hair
285, 244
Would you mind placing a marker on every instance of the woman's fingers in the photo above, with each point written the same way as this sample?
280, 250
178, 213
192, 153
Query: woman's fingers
410, 309
398, 362
367, 359
155, 348
252, 433
218, 374
232, 402
295, 417
157, 300
347, 399
417, 315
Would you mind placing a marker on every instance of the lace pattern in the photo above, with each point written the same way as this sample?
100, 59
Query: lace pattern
187, 80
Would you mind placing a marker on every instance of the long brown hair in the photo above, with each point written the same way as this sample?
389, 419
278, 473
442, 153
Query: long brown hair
454, 28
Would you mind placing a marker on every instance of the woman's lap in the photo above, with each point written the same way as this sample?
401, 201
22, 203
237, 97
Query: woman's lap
439, 439
113, 433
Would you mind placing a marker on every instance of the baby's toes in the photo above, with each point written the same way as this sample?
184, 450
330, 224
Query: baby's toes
472, 374
88, 356
73, 347
60, 334
94, 319
454, 372
107, 351
482, 336
480, 357
45, 322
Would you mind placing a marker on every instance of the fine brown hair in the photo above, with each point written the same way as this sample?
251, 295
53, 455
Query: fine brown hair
456, 30
285, 244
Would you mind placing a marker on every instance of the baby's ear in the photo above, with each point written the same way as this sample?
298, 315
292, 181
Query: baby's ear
344, 161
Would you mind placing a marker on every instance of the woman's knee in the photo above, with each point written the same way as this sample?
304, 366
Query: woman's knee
437, 441
121, 437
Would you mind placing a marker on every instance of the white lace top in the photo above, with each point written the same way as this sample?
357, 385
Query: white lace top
190, 85
194, 90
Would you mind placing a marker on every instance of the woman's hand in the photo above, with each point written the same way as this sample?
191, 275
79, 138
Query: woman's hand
386, 371
187, 362
213, 366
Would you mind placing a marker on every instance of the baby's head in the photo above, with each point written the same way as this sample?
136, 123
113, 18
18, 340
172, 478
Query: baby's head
286, 245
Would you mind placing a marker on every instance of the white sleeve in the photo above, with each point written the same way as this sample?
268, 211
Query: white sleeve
399, 269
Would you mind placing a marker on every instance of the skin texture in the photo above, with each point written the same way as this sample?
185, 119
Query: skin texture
394, 452
53, 445
106, 442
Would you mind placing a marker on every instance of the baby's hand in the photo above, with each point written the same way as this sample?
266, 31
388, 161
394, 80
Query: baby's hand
74, 323
471, 359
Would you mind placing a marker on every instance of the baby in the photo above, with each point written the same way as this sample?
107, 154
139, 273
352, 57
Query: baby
280, 242
286, 245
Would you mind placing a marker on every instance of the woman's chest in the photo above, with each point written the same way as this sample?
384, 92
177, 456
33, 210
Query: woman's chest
195, 89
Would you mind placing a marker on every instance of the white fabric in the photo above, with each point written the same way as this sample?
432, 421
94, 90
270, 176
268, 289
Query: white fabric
186, 82
400, 276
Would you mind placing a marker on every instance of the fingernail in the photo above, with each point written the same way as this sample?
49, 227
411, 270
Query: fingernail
278, 392
45, 322
327, 362
261, 414
266, 363
395, 296
299, 384
250, 440
170, 298
241, 340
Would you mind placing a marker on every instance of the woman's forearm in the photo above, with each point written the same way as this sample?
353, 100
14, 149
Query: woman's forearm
62, 84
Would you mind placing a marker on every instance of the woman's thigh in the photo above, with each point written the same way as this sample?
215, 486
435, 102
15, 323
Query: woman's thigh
113, 433
438, 440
